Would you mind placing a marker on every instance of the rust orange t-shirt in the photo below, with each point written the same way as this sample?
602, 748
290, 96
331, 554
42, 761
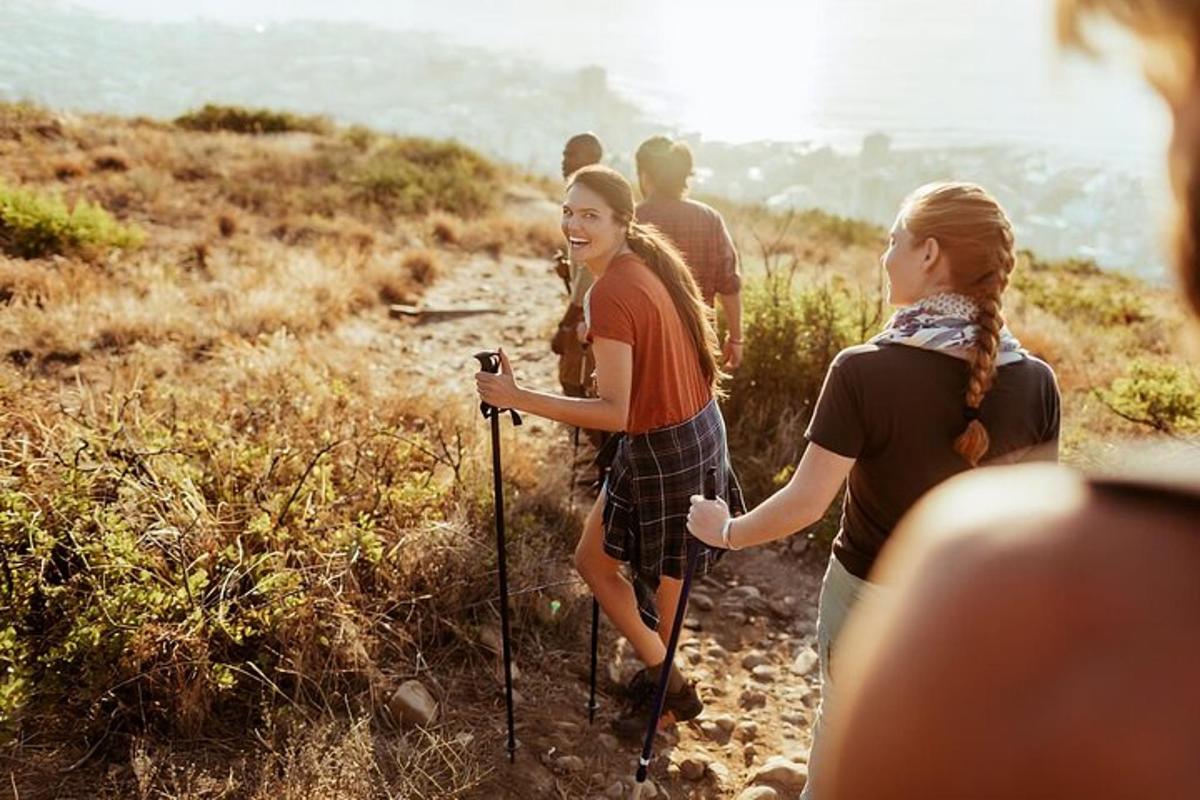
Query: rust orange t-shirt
630, 304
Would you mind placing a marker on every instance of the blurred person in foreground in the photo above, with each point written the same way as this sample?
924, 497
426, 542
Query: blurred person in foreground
1041, 638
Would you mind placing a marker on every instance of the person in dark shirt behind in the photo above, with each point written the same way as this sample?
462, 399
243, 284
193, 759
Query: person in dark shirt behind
944, 388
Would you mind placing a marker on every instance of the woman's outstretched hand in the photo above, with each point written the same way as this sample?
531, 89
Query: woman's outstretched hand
706, 520
498, 389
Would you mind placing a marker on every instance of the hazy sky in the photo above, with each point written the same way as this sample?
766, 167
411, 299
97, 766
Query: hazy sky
925, 69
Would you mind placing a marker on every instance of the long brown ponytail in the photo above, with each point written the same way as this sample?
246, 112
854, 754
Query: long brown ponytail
975, 235
664, 260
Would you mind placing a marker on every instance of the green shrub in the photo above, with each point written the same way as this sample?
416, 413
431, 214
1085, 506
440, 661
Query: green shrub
1163, 396
1077, 290
34, 225
792, 336
417, 176
252, 121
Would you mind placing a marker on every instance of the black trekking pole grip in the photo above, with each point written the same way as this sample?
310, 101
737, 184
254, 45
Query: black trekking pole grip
489, 361
710, 483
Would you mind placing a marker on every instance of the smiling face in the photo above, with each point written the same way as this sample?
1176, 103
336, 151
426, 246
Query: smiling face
908, 264
592, 230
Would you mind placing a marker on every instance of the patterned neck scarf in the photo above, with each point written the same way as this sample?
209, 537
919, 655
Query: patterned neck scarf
944, 322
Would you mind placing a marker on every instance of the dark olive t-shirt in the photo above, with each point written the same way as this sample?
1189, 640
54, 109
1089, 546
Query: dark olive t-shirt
897, 409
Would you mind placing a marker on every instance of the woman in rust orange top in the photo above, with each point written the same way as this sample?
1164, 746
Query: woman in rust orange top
656, 375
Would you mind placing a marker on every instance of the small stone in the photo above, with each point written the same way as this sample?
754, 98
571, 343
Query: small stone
794, 718
764, 673
759, 793
711, 730
568, 764
691, 623
718, 653
412, 704
744, 592
805, 661
747, 731
721, 776
608, 741
782, 771
725, 722
752, 698
617, 790
754, 658
693, 768
567, 727
701, 602
784, 609
799, 756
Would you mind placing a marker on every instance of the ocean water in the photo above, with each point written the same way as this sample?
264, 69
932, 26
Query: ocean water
926, 72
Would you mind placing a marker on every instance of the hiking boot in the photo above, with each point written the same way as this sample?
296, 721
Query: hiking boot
682, 705
635, 686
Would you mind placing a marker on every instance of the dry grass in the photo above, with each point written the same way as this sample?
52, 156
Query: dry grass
252, 532
504, 234
195, 408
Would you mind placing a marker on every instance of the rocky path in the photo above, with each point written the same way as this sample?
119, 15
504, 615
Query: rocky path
749, 642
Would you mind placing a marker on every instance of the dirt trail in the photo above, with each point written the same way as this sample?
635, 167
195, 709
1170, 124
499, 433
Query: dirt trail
749, 643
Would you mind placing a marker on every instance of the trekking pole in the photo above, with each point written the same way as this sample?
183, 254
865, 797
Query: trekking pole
490, 362
592, 704
694, 551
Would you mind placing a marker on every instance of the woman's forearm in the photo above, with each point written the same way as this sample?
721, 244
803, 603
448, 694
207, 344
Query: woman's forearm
582, 412
788, 511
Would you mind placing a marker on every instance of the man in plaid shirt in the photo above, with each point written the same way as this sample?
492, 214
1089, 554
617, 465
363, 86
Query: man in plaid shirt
696, 229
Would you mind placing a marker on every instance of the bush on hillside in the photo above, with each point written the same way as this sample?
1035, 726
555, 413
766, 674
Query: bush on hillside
1165, 397
1077, 290
792, 335
253, 121
418, 176
34, 225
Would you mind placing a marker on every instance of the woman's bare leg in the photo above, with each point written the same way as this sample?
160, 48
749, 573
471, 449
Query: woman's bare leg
615, 593
669, 590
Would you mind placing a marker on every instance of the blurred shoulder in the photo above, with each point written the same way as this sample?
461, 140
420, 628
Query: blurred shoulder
1035, 525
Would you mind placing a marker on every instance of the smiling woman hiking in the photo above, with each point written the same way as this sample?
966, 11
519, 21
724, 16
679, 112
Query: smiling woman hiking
657, 376
945, 387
